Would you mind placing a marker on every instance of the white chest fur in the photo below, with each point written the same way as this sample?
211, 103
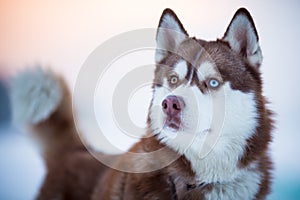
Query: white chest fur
244, 186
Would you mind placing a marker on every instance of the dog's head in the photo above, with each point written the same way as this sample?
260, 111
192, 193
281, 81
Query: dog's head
206, 95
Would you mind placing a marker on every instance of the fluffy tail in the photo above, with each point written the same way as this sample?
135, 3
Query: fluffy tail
41, 99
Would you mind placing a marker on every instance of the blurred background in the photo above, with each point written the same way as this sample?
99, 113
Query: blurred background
61, 35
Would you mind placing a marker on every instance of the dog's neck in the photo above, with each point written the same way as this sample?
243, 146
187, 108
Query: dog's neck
221, 171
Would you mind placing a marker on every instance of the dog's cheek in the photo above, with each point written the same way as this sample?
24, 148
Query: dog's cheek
156, 113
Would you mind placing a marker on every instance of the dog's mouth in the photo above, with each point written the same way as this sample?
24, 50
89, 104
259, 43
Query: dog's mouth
173, 123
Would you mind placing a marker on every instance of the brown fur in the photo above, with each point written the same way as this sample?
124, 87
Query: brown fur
75, 174
175, 181
72, 172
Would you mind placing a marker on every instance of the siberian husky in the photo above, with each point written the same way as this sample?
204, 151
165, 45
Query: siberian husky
207, 109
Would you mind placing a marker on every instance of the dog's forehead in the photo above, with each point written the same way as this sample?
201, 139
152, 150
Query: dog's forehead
193, 52
181, 68
207, 69
204, 69
204, 60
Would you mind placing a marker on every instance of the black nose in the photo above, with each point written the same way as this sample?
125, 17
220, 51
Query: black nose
172, 105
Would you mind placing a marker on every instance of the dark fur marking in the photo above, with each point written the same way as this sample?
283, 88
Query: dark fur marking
173, 188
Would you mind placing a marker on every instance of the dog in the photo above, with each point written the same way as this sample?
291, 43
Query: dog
207, 112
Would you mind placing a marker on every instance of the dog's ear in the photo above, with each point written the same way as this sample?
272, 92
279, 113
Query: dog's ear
242, 37
170, 34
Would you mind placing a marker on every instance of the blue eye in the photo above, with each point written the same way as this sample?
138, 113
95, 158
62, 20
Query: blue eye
213, 83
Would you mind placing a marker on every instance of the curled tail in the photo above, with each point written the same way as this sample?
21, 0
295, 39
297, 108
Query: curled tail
41, 99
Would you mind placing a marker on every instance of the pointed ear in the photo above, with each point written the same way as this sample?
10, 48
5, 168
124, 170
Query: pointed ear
170, 34
242, 37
